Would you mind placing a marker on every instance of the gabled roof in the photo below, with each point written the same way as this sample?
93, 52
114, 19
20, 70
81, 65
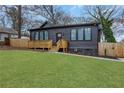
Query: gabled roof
64, 26
8, 31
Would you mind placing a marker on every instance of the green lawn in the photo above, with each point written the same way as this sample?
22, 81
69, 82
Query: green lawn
37, 69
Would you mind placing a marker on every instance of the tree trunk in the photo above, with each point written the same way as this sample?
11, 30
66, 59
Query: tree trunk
19, 21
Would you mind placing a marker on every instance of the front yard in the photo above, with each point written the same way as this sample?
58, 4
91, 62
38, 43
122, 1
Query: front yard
37, 69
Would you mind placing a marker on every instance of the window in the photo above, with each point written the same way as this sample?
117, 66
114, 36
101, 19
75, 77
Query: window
45, 35
73, 34
87, 33
36, 35
41, 35
33, 35
59, 34
80, 34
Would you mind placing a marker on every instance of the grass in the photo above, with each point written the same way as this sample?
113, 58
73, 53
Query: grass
36, 69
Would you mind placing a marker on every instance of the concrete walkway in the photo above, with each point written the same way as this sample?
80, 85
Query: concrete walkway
101, 58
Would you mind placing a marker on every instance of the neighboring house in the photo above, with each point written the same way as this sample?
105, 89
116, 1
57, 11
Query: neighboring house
25, 35
82, 38
7, 33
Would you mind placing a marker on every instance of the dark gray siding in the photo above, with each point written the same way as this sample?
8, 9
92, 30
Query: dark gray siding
66, 34
82, 47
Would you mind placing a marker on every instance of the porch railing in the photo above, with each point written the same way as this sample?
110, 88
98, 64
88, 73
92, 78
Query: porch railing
64, 43
40, 44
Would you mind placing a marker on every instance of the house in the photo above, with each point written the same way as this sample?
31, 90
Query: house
7, 33
81, 38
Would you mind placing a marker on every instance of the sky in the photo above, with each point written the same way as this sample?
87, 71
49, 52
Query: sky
78, 10
75, 10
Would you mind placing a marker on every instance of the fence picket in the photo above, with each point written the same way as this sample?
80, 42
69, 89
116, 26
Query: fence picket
111, 49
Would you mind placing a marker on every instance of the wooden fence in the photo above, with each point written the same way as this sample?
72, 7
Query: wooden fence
19, 43
41, 44
111, 49
25, 43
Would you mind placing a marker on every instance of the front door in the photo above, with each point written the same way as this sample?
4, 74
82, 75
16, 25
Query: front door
58, 36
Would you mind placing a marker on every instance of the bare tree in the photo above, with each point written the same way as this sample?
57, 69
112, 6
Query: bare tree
118, 25
54, 14
11, 16
11, 12
2, 21
104, 15
30, 18
33, 16
97, 12
19, 21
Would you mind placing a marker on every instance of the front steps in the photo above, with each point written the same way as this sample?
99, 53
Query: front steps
61, 44
54, 49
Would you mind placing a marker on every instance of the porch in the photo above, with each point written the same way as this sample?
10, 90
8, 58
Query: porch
40, 44
48, 44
